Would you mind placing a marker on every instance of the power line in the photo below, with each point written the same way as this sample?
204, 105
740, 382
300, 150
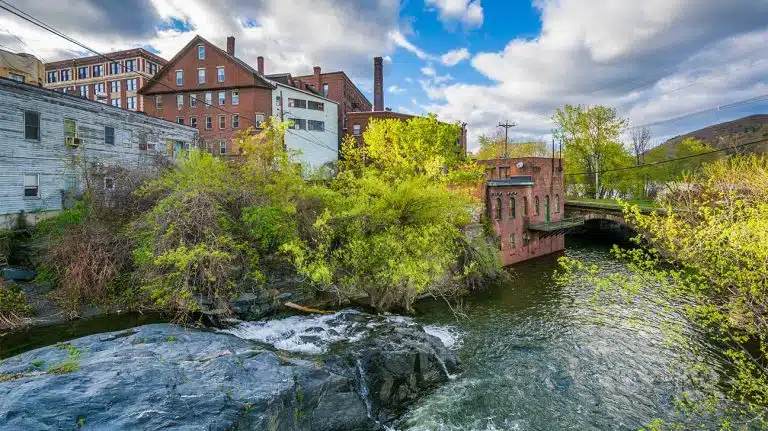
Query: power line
24, 44
506, 127
761, 98
29, 18
626, 168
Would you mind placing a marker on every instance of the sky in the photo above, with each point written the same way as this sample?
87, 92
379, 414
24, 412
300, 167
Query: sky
675, 65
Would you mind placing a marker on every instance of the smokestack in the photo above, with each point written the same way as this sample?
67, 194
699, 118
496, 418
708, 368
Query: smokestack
231, 45
260, 64
317, 69
378, 84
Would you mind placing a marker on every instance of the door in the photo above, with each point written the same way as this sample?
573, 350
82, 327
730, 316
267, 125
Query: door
546, 217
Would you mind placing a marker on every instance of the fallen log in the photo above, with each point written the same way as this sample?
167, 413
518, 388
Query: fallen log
306, 309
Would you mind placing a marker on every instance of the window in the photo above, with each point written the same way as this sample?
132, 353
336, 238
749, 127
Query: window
114, 86
180, 120
317, 126
152, 68
317, 106
82, 72
356, 129
116, 102
179, 78
512, 205
512, 242
130, 103
557, 204
51, 76
222, 97
179, 101
258, 119
130, 65
70, 128
31, 185
235, 121
193, 121
526, 238
114, 68
32, 125
222, 147
235, 97
16, 77
98, 88
220, 74
201, 52
209, 147
299, 124
536, 205
109, 135
201, 76
109, 184
525, 206
130, 84
98, 70
498, 208
159, 102
84, 91
222, 122
325, 90
208, 99
297, 103
208, 123
65, 75
192, 100
65, 90
503, 172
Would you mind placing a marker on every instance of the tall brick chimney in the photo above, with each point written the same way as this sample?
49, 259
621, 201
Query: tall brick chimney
378, 84
316, 71
231, 45
260, 64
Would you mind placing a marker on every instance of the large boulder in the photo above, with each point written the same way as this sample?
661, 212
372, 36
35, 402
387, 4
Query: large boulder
365, 371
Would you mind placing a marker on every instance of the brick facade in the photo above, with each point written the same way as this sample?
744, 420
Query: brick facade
247, 95
520, 196
95, 77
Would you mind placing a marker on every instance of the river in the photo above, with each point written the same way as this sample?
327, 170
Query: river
534, 360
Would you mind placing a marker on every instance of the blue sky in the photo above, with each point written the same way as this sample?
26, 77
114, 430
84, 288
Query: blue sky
475, 61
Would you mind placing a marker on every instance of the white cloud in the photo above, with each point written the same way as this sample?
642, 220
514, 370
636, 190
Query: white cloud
454, 57
468, 12
394, 89
428, 71
400, 40
651, 60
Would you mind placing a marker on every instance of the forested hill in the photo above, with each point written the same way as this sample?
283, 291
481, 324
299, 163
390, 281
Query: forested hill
729, 134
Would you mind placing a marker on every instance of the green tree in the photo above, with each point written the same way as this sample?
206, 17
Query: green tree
706, 258
492, 147
590, 138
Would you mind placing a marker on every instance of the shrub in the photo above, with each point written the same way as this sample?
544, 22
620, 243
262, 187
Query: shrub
13, 306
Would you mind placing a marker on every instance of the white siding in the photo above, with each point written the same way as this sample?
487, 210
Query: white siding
49, 157
317, 148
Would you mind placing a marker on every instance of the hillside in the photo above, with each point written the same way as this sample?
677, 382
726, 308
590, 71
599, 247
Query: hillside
729, 134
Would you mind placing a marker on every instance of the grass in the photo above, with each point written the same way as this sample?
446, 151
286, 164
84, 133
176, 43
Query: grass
38, 363
171, 339
69, 365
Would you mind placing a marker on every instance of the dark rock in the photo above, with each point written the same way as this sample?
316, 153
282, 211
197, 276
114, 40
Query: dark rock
165, 377
285, 296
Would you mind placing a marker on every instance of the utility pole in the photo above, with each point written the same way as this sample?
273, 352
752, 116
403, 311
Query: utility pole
506, 127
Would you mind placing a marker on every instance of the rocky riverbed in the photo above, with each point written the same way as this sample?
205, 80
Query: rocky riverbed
345, 371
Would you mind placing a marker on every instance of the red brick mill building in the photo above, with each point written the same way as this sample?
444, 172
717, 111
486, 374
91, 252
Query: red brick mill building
524, 199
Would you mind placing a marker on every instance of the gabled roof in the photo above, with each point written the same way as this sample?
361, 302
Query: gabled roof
260, 80
287, 79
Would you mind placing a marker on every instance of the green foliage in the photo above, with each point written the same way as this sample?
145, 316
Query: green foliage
70, 364
38, 363
492, 147
707, 261
13, 305
270, 226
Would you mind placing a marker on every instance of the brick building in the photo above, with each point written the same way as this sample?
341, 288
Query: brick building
21, 67
96, 78
524, 199
210, 89
338, 87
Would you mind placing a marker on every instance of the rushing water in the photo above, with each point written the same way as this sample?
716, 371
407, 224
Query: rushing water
533, 360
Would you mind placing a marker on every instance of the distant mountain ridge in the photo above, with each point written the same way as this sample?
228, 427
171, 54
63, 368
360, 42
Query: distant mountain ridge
729, 134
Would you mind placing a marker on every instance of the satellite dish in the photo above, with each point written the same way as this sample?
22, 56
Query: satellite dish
519, 165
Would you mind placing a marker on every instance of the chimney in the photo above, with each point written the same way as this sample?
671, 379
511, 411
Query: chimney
260, 64
378, 84
317, 69
231, 45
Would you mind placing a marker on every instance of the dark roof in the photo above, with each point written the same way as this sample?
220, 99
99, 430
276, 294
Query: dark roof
341, 72
261, 81
283, 78
514, 180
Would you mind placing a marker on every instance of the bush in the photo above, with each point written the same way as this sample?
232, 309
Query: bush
13, 306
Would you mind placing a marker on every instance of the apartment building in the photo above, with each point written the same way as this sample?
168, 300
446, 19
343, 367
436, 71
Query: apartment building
115, 81
338, 87
21, 67
43, 131
210, 89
